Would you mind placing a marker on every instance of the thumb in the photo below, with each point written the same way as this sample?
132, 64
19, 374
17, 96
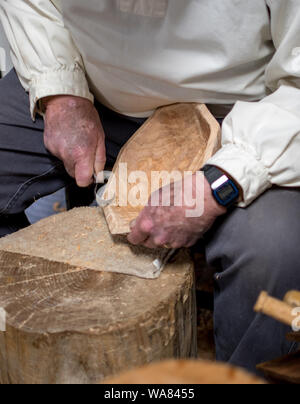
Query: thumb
84, 171
100, 157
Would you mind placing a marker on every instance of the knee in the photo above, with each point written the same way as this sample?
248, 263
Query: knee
260, 244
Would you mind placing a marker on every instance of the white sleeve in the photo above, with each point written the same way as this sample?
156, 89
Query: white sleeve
43, 52
261, 141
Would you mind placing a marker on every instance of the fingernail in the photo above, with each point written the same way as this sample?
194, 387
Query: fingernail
84, 184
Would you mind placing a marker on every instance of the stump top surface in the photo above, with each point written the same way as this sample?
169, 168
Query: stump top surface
43, 296
81, 238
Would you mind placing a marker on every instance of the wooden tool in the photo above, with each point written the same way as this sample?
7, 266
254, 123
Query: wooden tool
286, 369
180, 137
294, 337
293, 298
70, 324
274, 308
186, 372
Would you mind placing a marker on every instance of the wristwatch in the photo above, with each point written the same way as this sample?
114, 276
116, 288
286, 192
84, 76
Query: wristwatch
224, 190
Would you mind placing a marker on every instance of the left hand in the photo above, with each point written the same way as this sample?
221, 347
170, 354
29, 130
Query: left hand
161, 226
74, 134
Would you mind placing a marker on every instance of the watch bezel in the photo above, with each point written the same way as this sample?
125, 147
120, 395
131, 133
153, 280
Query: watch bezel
232, 198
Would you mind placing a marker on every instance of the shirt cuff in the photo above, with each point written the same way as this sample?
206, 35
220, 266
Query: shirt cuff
244, 168
59, 82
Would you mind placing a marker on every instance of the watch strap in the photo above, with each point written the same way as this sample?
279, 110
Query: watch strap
223, 188
212, 173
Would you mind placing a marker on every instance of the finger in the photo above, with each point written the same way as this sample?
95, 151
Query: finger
141, 231
156, 241
192, 242
184, 241
84, 171
177, 244
176, 241
70, 169
149, 243
161, 240
100, 157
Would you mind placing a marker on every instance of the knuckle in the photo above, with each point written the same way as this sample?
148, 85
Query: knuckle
65, 156
177, 244
146, 225
160, 241
79, 152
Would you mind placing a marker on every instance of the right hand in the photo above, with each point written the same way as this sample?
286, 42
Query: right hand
74, 134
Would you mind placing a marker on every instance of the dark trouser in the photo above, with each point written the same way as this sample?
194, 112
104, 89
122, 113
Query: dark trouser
253, 249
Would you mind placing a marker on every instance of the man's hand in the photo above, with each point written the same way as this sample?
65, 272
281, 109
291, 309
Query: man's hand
170, 226
74, 134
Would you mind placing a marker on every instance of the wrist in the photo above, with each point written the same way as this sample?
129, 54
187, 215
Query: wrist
223, 188
210, 201
211, 207
70, 101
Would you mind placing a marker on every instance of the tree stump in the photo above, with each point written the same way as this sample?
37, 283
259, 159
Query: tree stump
70, 324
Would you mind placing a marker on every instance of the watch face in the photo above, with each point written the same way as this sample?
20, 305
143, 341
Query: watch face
227, 194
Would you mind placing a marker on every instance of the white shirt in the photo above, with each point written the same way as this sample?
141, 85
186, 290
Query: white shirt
137, 55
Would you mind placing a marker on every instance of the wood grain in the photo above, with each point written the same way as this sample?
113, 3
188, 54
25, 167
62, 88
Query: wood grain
81, 238
186, 372
69, 324
275, 308
180, 137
